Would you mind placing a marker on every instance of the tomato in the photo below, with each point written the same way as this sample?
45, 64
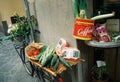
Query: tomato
29, 54
36, 52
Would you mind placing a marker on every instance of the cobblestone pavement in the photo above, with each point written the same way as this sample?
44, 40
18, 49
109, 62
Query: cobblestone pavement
11, 67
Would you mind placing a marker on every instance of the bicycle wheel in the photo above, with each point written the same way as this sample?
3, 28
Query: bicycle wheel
27, 65
47, 77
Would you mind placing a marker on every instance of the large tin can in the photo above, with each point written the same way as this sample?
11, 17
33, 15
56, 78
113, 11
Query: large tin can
83, 29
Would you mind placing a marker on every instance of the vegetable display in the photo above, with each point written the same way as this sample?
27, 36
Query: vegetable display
49, 58
52, 57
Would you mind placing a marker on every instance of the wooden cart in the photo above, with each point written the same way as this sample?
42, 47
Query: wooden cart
48, 73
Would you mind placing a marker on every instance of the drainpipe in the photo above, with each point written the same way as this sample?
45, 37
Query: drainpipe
28, 19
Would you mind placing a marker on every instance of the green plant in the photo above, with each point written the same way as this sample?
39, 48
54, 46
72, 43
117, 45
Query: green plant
20, 29
79, 7
100, 73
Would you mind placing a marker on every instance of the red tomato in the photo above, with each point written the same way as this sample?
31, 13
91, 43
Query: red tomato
36, 52
29, 54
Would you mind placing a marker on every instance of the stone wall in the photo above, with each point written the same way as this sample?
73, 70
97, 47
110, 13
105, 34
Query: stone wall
56, 20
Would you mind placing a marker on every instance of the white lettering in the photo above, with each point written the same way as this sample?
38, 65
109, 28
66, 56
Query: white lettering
85, 31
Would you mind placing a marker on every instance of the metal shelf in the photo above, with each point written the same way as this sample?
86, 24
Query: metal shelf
102, 44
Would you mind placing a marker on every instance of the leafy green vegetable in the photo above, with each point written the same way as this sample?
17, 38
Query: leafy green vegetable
100, 73
78, 6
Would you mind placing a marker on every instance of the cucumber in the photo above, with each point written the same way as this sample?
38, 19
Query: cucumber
56, 64
48, 64
64, 62
54, 59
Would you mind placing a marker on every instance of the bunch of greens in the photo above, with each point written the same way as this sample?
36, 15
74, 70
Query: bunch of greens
20, 29
100, 73
115, 36
79, 7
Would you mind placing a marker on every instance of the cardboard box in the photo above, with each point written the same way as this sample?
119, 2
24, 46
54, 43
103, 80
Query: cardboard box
113, 25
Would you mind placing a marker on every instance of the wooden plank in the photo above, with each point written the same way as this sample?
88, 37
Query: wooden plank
61, 67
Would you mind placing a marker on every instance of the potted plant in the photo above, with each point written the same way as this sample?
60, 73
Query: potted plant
100, 74
20, 30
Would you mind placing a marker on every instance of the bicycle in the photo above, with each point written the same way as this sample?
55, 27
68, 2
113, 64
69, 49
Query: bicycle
20, 49
44, 74
31, 68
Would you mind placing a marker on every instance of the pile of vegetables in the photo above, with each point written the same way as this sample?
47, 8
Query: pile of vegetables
115, 36
33, 53
48, 57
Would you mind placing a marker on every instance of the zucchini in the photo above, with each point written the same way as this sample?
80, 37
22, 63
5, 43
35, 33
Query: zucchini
48, 64
64, 62
56, 64
46, 55
54, 59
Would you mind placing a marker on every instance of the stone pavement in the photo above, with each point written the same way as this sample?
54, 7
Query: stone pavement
11, 68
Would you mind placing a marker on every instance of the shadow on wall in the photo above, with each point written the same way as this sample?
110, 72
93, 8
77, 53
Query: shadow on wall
0, 19
87, 54
1, 28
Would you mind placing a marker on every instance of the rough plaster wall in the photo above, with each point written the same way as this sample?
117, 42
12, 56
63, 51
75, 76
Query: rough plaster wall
56, 21
0, 20
86, 51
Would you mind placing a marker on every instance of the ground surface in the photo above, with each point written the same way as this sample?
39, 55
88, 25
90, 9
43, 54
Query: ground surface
11, 67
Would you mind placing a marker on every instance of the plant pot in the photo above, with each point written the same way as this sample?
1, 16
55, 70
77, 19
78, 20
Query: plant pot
83, 29
95, 80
